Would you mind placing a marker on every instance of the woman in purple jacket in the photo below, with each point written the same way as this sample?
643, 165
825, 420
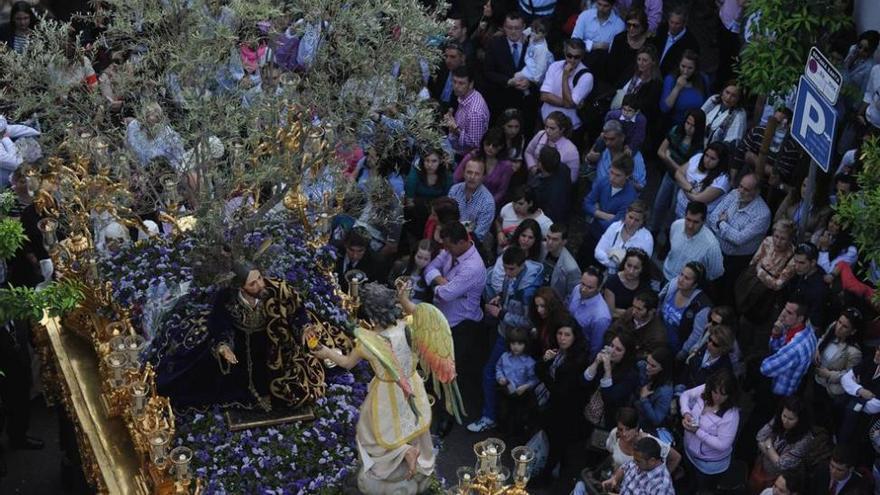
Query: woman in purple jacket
710, 418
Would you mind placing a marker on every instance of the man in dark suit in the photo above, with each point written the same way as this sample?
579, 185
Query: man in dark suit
355, 256
506, 55
440, 86
673, 38
840, 477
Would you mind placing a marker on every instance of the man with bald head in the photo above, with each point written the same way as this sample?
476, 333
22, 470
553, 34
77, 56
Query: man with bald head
740, 222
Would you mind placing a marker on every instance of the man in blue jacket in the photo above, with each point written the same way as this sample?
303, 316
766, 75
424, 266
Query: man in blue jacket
510, 308
607, 202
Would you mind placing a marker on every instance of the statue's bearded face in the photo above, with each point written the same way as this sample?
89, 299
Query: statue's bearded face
255, 286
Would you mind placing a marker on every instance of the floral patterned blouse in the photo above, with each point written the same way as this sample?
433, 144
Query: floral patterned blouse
774, 268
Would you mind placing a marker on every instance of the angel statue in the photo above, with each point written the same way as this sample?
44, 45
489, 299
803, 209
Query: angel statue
393, 437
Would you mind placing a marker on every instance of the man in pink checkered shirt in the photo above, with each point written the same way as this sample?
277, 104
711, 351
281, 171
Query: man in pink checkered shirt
470, 121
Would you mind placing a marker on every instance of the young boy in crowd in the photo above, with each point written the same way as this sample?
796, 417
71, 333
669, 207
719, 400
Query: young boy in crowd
515, 374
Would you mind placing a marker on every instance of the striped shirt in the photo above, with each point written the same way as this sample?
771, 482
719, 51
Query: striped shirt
654, 482
789, 362
479, 209
472, 119
744, 228
702, 247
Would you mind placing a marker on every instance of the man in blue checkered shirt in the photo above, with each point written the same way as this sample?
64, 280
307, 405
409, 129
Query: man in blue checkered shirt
645, 474
792, 346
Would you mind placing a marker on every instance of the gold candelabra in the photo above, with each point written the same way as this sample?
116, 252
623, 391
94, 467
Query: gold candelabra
489, 477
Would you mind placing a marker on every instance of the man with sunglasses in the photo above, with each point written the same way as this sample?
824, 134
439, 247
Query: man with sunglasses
567, 83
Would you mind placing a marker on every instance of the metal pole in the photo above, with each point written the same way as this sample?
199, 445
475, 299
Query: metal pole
808, 202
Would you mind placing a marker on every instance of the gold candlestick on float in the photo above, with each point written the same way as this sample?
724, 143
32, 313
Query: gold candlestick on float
490, 477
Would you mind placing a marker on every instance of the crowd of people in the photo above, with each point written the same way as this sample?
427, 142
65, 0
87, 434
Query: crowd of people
637, 283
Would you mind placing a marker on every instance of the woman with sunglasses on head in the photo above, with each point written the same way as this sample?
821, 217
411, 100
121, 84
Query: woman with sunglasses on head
718, 315
498, 167
621, 60
681, 301
837, 352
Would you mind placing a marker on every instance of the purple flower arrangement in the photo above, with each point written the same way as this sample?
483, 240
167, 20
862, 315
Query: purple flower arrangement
307, 457
140, 267
304, 457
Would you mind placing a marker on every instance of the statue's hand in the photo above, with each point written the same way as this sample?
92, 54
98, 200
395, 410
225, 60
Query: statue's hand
227, 354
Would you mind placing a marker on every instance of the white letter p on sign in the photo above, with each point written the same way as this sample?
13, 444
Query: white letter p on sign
814, 117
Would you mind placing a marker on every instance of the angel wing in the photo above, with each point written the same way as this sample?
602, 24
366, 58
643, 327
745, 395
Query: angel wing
381, 349
432, 342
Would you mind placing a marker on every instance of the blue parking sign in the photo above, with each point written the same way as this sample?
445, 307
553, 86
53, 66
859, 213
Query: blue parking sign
814, 124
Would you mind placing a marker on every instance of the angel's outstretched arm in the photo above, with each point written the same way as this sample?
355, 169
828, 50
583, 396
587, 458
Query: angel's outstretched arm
403, 289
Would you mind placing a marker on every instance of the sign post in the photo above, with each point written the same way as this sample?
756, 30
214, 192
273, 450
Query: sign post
814, 124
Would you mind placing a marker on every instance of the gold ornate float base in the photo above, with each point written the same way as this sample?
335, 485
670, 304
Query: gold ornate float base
110, 461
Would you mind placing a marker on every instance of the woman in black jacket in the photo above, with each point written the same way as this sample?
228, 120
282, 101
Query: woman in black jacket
560, 371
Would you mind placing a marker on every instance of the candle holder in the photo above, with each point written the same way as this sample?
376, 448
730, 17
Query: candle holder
117, 344
48, 229
112, 330
134, 345
522, 458
32, 179
489, 477
170, 195
117, 362
159, 447
489, 453
139, 393
180, 458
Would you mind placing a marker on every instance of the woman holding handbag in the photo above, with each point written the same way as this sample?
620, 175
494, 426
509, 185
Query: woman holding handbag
757, 288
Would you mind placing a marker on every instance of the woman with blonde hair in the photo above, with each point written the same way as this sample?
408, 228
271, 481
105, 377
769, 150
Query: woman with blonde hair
772, 266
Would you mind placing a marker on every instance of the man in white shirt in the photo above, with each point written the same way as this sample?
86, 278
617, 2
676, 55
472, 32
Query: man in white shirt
690, 240
567, 83
598, 26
